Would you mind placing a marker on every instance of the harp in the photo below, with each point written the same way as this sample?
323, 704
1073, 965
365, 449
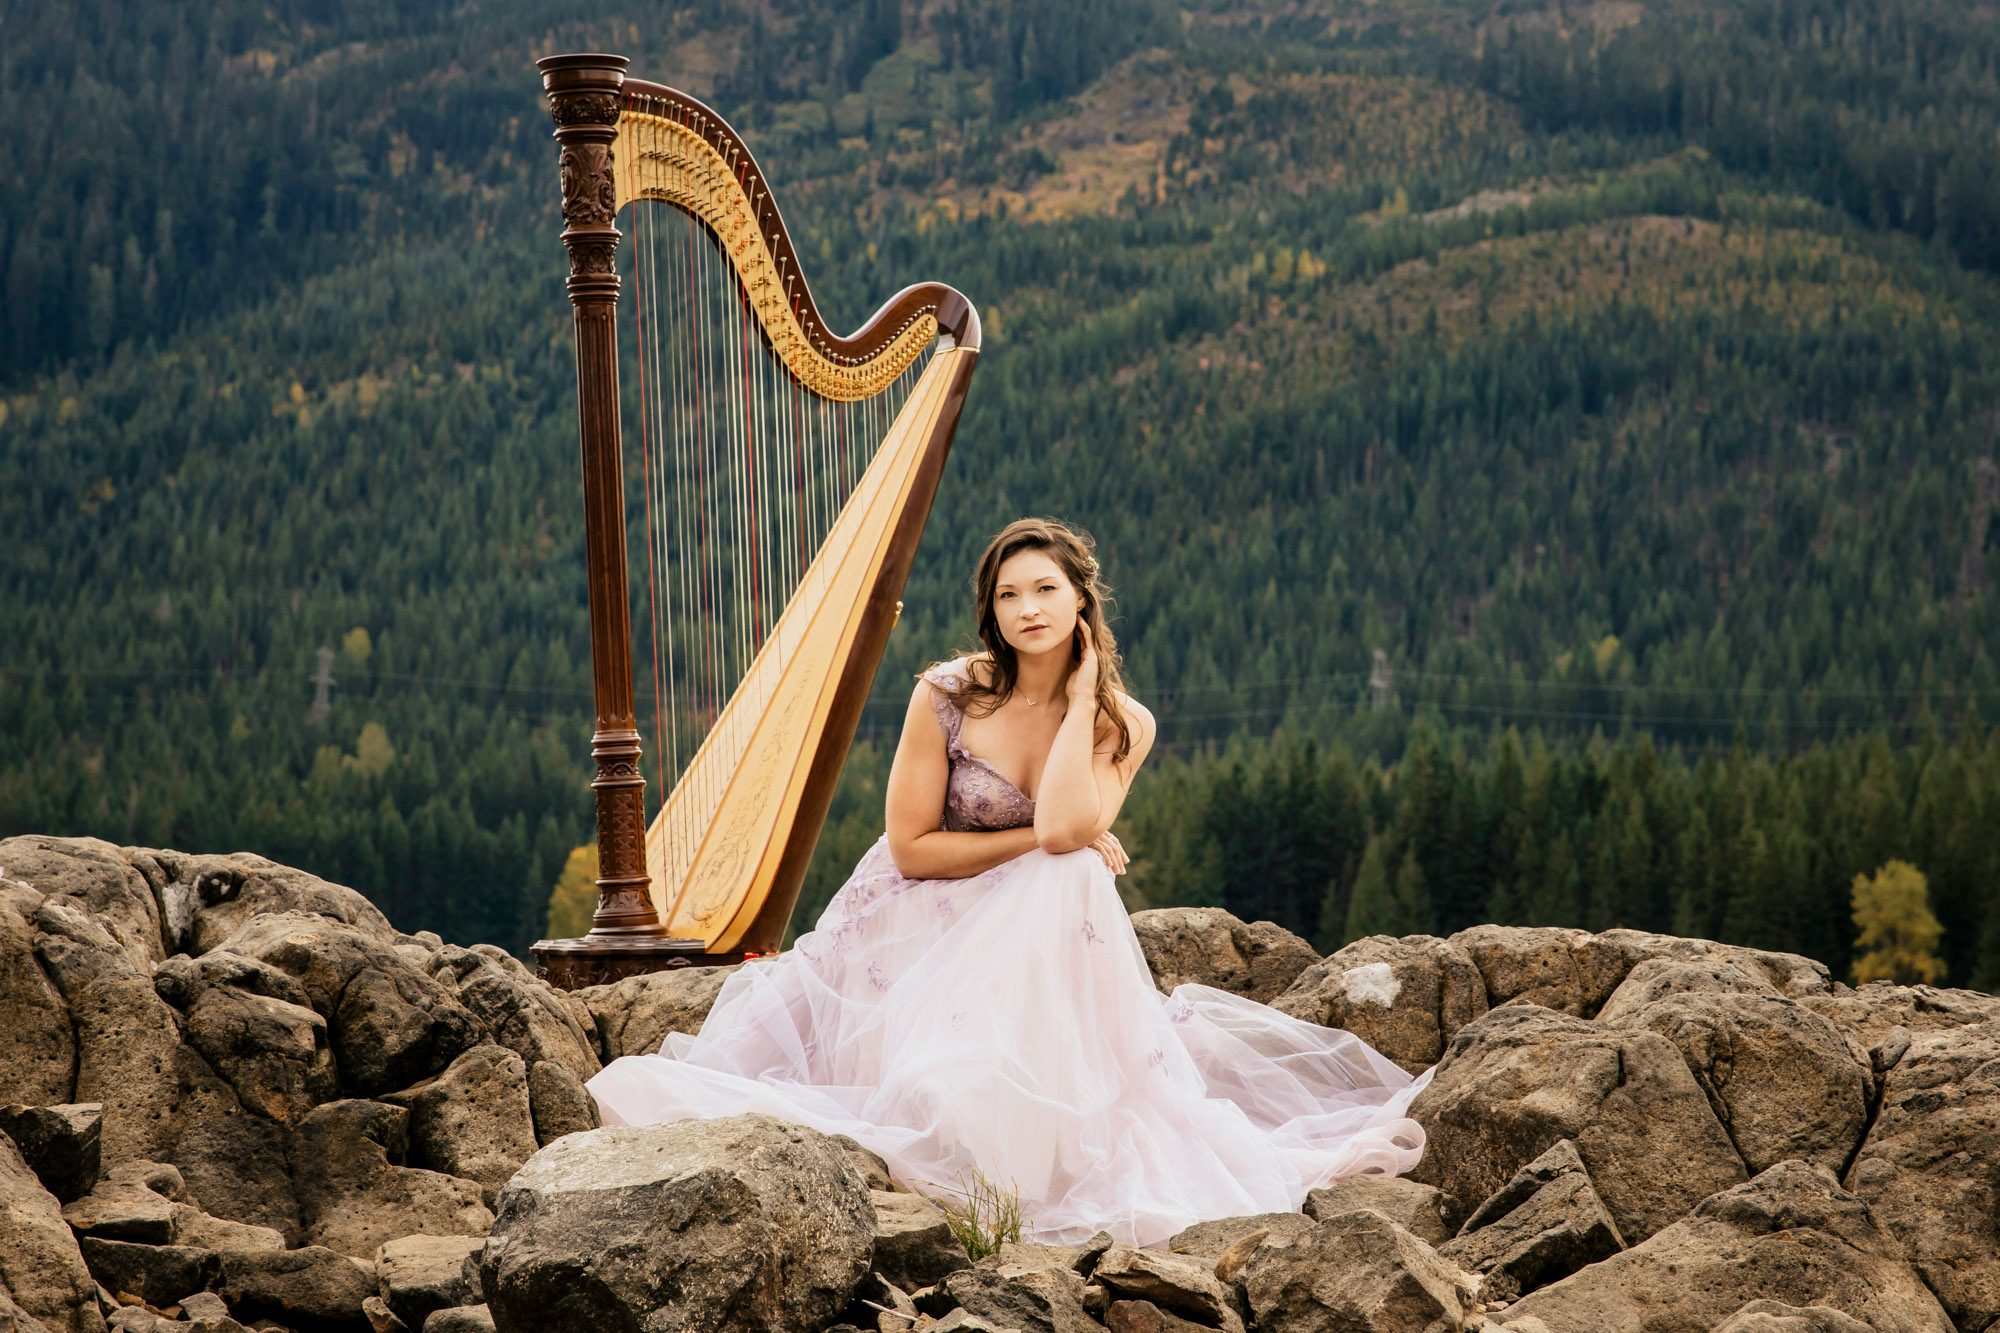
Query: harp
786, 472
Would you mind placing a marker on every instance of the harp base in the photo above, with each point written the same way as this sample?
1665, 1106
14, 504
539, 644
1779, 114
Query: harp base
598, 960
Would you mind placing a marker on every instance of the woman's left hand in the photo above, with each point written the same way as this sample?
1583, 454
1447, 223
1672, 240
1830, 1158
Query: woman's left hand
1082, 683
1107, 846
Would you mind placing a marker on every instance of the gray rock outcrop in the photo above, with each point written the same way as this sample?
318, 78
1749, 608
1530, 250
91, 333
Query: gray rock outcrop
419, 1275
1792, 1234
914, 1244
1405, 997
475, 1120
1356, 1272
1210, 947
1543, 1225
635, 1015
745, 1223
355, 1192
1930, 1167
62, 1145
40, 1265
1522, 1077
1425, 1211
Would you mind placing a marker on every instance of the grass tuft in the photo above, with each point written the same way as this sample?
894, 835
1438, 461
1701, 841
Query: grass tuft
982, 1215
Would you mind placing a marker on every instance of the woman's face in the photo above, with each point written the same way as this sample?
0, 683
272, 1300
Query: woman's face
1035, 603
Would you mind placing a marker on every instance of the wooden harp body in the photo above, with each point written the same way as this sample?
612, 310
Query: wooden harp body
787, 473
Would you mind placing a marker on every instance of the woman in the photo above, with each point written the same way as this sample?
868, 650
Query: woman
974, 997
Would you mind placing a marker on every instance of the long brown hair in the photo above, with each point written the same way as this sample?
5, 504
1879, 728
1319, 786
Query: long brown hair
1071, 549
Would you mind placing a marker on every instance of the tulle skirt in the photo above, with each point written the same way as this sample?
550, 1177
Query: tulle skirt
1007, 1023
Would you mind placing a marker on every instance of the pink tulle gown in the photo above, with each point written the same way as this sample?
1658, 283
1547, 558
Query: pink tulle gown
1008, 1022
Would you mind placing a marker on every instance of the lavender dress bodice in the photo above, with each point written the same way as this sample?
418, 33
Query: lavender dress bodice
977, 799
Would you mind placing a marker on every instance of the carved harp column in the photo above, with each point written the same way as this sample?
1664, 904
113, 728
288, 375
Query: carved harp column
787, 472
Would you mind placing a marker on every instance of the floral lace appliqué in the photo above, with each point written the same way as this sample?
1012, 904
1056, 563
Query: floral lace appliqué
1181, 1012
877, 977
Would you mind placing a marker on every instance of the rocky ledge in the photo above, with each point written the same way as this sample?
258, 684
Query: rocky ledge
234, 1096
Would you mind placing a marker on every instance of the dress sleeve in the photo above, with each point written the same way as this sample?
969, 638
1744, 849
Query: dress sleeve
945, 676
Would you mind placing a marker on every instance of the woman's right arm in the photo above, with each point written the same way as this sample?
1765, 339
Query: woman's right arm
917, 782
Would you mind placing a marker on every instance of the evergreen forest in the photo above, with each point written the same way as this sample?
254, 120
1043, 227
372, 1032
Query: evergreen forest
1544, 452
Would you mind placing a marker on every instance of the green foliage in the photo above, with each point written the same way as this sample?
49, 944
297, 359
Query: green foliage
1898, 932
573, 901
983, 1215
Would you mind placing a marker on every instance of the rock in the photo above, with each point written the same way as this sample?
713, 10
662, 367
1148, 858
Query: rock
1868, 1013
1208, 1240
418, 1275
163, 1102
1792, 1234
1779, 1077
1176, 1285
1041, 1300
464, 1319
1778, 1317
62, 1145
1930, 1167
13, 1319
874, 1172
1791, 974
963, 1321
38, 1060
1542, 1226
354, 1192
1657, 978
160, 1275
1356, 1272
39, 1261
125, 1207
521, 1012
381, 1319
1146, 1317
1405, 997
391, 1025
194, 1227
206, 899
880, 1305
1571, 971
744, 1223
95, 878
204, 1305
1209, 947
474, 1120
914, 1244
255, 1026
558, 1102
635, 1015
1425, 1211
313, 1290
1521, 1077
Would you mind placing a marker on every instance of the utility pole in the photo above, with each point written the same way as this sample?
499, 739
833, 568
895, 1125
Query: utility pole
1381, 680
323, 682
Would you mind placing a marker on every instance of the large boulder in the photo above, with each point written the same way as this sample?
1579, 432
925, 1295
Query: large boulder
418, 1275
391, 1025
206, 899
38, 1059
134, 1202
63, 1145
160, 1275
1522, 1077
1657, 978
1211, 1239
162, 1101
634, 1016
1868, 1013
1356, 1272
1789, 973
915, 1246
1426, 1212
517, 1009
1930, 1167
1029, 1298
1405, 997
39, 1260
1792, 1234
312, 1289
474, 1120
255, 1026
1210, 947
1781, 1079
97, 879
744, 1223
1575, 971
1778, 1317
355, 1193
1543, 1225
1179, 1286
559, 1102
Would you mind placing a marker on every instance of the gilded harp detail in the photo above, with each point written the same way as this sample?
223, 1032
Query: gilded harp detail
786, 473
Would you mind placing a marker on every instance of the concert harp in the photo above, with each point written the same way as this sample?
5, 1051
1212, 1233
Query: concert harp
787, 471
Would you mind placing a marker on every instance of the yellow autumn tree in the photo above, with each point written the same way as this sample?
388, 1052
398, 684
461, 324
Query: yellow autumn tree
1898, 933
574, 897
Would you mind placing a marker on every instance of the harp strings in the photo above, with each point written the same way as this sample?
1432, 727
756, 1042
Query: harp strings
743, 470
